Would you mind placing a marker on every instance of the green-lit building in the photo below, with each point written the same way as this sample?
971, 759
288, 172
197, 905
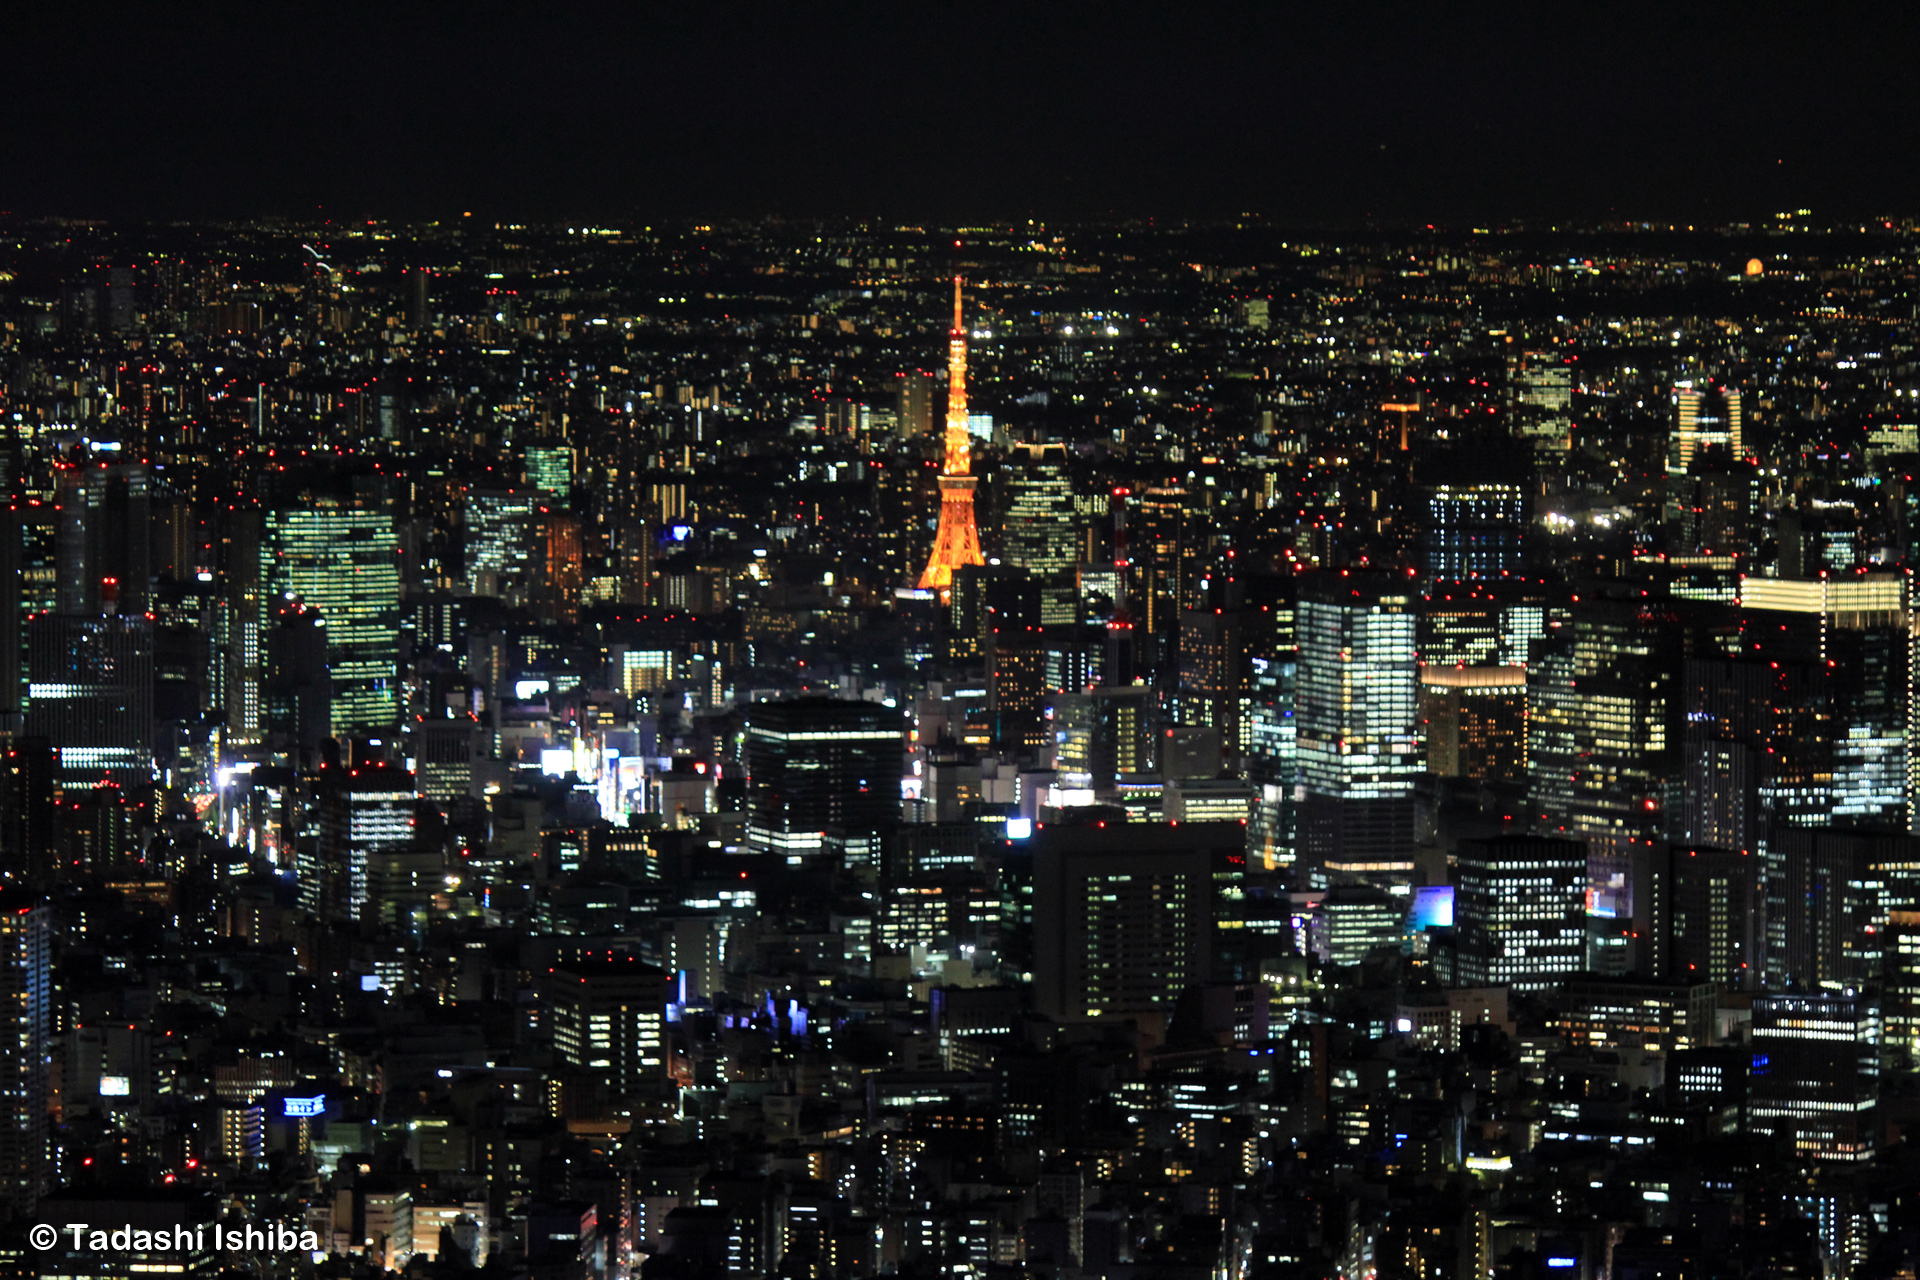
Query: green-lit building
346, 564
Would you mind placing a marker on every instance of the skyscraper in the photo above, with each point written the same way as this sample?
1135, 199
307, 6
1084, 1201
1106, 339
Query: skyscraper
1902, 985
1272, 741
1827, 896
1750, 751
1520, 911
821, 764
365, 811
90, 690
1163, 542
104, 538
1123, 916
1542, 401
1705, 916
26, 811
1601, 707
1476, 721
25, 930
609, 1019
915, 411
500, 543
345, 563
1360, 742
957, 542
1848, 633
1214, 675
549, 468
296, 696
1816, 1073
1474, 530
1704, 418
1041, 530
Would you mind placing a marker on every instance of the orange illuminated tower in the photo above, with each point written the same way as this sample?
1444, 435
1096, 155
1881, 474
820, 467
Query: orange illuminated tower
958, 541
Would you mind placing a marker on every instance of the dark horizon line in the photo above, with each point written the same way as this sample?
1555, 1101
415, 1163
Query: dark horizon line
1249, 220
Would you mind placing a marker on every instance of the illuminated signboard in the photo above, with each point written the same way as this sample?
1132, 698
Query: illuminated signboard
314, 1106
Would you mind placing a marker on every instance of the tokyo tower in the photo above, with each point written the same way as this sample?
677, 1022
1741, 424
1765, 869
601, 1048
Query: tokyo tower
958, 541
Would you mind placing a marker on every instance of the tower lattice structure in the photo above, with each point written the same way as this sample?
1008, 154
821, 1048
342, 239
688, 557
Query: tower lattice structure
958, 541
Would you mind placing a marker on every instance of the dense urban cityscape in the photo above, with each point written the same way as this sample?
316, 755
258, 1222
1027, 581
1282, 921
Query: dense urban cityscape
803, 748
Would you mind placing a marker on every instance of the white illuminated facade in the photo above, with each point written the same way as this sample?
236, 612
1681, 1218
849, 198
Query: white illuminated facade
1359, 737
1816, 1073
1520, 911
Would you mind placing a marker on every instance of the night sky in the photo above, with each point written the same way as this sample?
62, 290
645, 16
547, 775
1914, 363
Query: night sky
1311, 115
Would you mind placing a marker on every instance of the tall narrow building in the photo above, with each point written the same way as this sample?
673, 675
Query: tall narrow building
1041, 529
365, 812
1360, 742
345, 563
25, 929
958, 541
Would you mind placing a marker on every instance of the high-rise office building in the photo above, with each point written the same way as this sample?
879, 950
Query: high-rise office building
1359, 732
26, 929
297, 695
1816, 1073
1272, 757
609, 1020
1489, 623
549, 468
1827, 902
1638, 1013
1519, 908
1901, 985
1751, 752
443, 750
1356, 920
1474, 530
1214, 675
105, 549
501, 526
1704, 417
1541, 384
1041, 529
1849, 634
1476, 722
914, 413
561, 566
1164, 536
26, 811
1705, 915
1600, 710
821, 764
1100, 735
1007, 612
90, 691
28, 573
366, 812
1123, 916
1709, 510
345, 563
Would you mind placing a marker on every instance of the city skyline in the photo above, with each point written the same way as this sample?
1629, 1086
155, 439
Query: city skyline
1005, 645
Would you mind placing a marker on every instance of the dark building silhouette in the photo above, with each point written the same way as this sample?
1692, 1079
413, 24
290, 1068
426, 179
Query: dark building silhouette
820, 764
